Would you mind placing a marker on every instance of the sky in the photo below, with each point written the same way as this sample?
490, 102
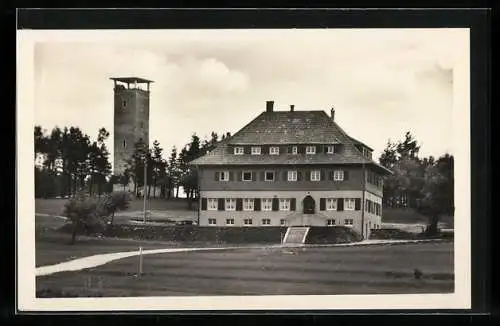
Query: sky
381, 83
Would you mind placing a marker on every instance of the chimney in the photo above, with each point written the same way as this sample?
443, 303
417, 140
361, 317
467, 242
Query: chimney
269, 106
332, 114
292, 107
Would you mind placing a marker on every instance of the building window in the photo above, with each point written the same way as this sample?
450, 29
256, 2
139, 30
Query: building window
294, 149
284, 204
248, 204
238, 151
230, 221
142, 124
124, 143
311, 150
124, 103
282, 222
212, 221
266, 221
269, 176
338, 175
331, 204
315, 175
348, 222
330, 149
212, 204
256, 150
274, 150
230, 204
246, 176
267, 204
292, 175
247, 221
330, 222
349, 204
224, 176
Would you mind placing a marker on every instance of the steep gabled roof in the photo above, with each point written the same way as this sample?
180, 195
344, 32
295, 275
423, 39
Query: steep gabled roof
288, 127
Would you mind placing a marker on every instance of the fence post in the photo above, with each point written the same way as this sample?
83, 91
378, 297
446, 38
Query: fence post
140, 261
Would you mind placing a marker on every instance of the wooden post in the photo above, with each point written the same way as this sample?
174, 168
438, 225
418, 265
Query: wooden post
140, 261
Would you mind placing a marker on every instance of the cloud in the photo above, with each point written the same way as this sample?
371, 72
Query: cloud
381, 82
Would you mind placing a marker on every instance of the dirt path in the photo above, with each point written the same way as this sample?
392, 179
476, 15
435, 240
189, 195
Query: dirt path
101, 259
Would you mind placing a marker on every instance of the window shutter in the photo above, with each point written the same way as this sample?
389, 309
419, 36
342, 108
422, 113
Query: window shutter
301, 149
220, 204
230, 150
340, 204
239, 175
254, 177
264, 150
318, 149
322, 175
285, 175
246, 149
231, 176
256, 204
346, 175
216, 176
330, 175
276, 175
203, 204
262, 176
289, 150
357, 204
308, 175
293, 204
276, 204
322, 204
239, 204
299, 175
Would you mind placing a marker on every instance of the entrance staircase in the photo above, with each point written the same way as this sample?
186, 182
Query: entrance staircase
296, 235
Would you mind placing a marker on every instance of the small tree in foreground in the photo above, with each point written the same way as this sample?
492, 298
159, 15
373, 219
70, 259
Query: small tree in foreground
83, 211
116, 201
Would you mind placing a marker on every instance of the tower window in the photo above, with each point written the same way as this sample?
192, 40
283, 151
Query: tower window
124, 143
124, 103
142, 124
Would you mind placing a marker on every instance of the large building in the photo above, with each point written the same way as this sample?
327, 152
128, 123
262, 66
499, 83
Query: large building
291, 168
131, 118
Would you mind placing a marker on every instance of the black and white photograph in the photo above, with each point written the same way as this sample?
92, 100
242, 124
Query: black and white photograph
243, 169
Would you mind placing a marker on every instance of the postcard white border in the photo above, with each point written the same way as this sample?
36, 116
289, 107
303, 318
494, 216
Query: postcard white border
27, 301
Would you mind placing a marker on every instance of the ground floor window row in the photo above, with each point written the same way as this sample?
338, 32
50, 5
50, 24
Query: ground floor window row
267, 221
373, 207
276, 204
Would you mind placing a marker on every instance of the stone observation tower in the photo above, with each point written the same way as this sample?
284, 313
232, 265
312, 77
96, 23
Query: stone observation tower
131, 118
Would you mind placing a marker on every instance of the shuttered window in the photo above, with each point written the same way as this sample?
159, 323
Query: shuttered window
212, 204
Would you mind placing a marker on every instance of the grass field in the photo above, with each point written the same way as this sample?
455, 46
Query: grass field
340, 270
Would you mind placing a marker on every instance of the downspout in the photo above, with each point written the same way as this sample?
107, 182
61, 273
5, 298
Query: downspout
363, 202
199, 194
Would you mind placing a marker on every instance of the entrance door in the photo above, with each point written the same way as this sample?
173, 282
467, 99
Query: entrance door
309, 205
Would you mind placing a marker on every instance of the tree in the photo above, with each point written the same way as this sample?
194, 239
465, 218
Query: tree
83, 212
437, 197
116, 201
402, 188
173, 172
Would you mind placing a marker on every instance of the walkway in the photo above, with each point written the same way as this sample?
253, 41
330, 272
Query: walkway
101, 259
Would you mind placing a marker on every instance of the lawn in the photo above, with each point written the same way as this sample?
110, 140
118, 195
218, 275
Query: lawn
158, 208
277, 271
